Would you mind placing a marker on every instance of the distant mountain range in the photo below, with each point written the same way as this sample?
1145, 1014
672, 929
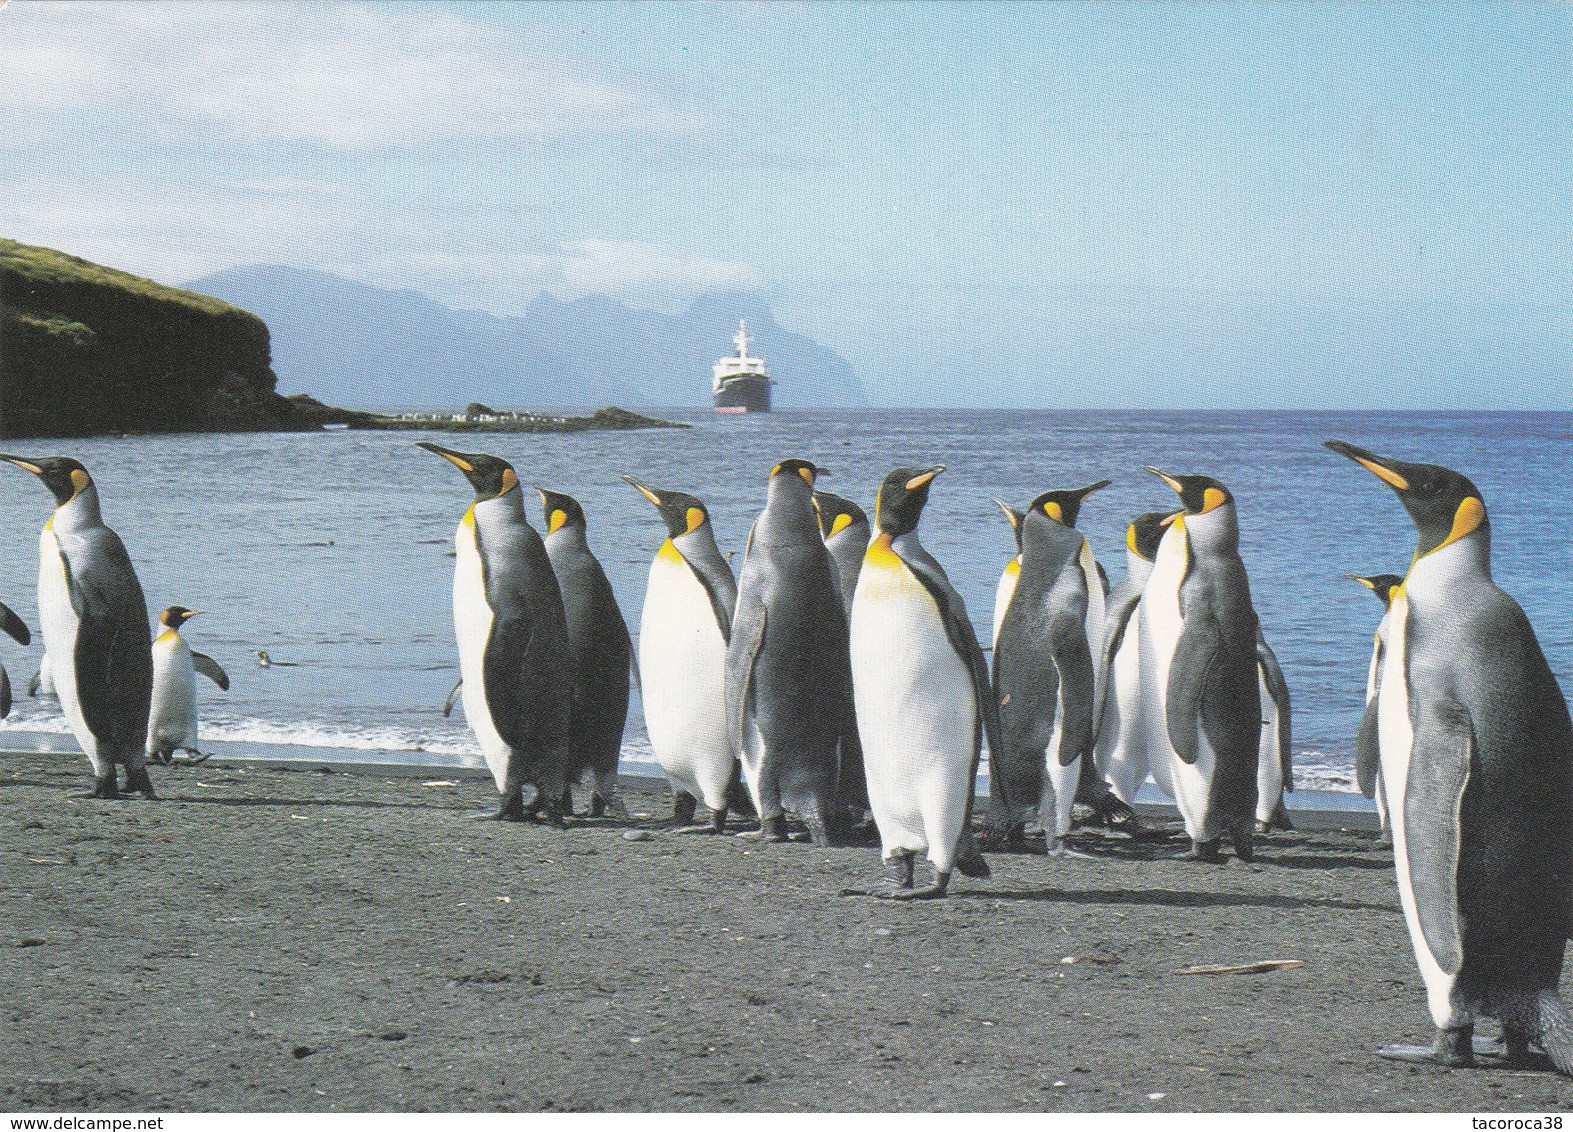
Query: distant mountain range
354, 345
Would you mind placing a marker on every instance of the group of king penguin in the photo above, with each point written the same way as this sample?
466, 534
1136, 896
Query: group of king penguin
837, 680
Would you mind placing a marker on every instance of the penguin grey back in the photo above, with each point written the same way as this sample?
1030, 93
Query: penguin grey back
845, 528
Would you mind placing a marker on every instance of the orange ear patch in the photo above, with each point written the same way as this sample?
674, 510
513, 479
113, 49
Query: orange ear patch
80, 480
1213, 498
696, 519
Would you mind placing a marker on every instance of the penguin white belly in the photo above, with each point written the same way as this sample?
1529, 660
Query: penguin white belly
172, 724
1121, 752
1092, 624
682, 663
1269, 764
1397, 739
1004, 592
916, 711
472, 627
1059, 782
59, 623
1159, 633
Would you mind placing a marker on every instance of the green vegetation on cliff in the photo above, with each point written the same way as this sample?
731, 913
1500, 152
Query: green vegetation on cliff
86, 349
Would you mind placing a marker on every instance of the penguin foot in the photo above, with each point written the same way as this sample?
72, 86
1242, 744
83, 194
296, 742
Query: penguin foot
1054, 847
103, 787
968, 858
138, 782
510, 809
770, 829
161, 758
1209, 851
935, 891
1278, 820
683, 806
716, 824
1453, 1048
194, 758
898, 879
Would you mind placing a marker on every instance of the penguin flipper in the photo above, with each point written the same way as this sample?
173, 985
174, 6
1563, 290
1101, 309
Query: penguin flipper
114, 649
748, 637
1439, 762
1073, 659
5, 693
1368, 748
35, 682
1193, 657
14, 626
1278, 689
1115, 621
453, 697
210, 668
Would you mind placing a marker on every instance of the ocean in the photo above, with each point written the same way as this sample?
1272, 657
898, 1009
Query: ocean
331, 551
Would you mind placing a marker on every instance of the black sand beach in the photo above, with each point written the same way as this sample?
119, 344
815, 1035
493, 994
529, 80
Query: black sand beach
268, 939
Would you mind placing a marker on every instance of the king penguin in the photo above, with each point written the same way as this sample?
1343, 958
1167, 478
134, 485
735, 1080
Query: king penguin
43, 681
1006, 589
599, 651
513, 639
1274, 756
17, 630
1046, 673
1121, 749
923, 697
844, 526
788, 671
172, 722
1476, 750
94, 621
1200, 689
1369, 773
683, 633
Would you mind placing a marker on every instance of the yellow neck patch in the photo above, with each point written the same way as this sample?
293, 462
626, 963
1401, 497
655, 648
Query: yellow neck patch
670, 552
469, 516
1013, 567
166, 635
841, 523
880, 554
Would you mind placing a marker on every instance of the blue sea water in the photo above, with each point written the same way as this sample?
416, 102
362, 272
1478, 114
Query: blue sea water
331, 550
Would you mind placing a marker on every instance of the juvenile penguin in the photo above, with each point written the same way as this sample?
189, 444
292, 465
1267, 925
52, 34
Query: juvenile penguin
1046, 673
844, 527
923, 697
1006, 589
1274, 757
17, 630
683, 634
788, 672
1200, 689
599, 651
1121, 750
94, 621
1476, 750
172, 722
1369, 773
513, 639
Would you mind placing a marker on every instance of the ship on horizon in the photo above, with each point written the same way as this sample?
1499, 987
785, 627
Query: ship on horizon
740, 383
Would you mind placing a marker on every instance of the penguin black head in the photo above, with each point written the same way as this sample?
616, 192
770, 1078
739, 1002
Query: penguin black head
1199, 494
804, 468
1146, 532
62, 475
561, 510
1444, 505
836, 514
899, 504
176, 616
491, 476
1014, 518
1384, 586
683, 513
1064, 506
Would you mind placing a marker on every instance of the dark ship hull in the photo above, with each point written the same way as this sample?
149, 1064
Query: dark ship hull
744, 395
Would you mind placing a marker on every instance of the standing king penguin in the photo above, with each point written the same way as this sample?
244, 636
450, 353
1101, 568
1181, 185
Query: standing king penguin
1476, 750
1006, 589
844, 526
513, 639
1369, 773
1046, 673
172, 722
17, 630
1121, 749
599, 651
788, 672
1274, 757
1200, 689
923, 697
683, 633
94, 620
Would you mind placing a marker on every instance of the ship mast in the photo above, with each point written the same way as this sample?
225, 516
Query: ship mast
742, 339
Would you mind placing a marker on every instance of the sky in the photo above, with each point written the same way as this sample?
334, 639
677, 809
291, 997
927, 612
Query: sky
1061, 206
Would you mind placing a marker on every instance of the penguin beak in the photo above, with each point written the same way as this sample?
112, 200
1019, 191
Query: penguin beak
643, 489
456, 458
25, 465
1379, 466
1168, 479
919, 480
1010, 512
1366, 582
1168, 520
1099, 486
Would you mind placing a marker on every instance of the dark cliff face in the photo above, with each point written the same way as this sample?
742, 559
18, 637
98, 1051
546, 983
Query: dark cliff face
86, 349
